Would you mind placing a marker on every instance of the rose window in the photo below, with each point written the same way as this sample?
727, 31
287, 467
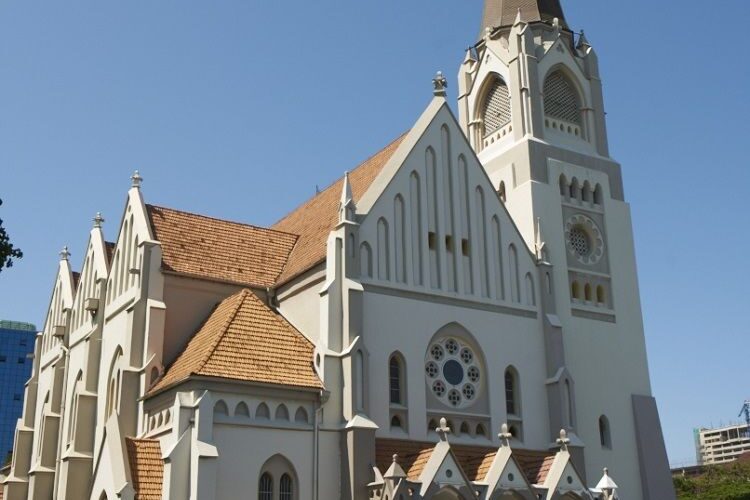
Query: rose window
579, 240
584, 239
453, 373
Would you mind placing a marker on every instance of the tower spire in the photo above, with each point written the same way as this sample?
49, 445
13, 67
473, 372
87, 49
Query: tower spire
499, 13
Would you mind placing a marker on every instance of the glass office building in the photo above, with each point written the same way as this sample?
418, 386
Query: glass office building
16, 358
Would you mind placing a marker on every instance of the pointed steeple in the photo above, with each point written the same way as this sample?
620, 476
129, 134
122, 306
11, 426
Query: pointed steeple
346, 205
499, 13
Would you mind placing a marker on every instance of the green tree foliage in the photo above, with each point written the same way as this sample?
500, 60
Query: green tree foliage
728, 482
7, 251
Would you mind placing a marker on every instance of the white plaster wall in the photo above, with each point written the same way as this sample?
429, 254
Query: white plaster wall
301, 307
243, 450
407, 325
607, 360
189, 302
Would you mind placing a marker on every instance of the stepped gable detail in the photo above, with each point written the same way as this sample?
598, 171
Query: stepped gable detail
219, 250
146, 467
314, 220
244, 340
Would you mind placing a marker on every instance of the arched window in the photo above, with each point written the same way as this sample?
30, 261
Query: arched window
605, 437
587, 292
301, 416
511, 392
262, 412
241, 410
598, 194
575, 290
563, 186
281, 412
501, 192
277, 475
396, 422
481, 431
113, 389
586, 193
221, 409
574, 189
561, 99
396, 380
601, 295
265, 487
286, 487
495, 111
77, 388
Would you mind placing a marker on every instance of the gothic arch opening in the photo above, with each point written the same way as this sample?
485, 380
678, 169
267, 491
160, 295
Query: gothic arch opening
278, 475
562, 100
494, 112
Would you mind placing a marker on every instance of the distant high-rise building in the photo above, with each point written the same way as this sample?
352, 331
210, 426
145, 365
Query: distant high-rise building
16, 343
723, 444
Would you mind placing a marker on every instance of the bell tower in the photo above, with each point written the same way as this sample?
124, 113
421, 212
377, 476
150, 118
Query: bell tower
531, 104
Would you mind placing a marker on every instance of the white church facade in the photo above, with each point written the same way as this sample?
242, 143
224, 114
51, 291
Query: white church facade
456, 318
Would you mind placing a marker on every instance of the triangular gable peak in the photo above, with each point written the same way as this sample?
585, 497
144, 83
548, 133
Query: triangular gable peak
94, 270
125, 271
563, 479
443, 472
58, 313
507, 476
432, 219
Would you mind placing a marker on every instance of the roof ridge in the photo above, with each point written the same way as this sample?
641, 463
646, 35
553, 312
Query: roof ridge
337, 179
242, 295
245, 224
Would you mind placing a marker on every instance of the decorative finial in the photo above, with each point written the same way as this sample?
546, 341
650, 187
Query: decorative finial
346, 204
487, 33
395, 458
539, 243
518, 18
607, 486
505, 435
440, 84
583, 42
556, 26
564, 440
443, 430
137, 180
98, 220
64, 253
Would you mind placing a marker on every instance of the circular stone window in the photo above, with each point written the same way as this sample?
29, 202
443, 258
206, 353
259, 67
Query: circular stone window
452, 372
584, 239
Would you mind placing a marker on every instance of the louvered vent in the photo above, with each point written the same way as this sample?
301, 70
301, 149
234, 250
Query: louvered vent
496, 108
561, 99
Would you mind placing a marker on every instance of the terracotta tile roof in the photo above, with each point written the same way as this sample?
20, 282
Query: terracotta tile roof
412, 455
243, 339
146, 467
474, 460
76, 280
315, 219
109, 248
215, 249
536, 464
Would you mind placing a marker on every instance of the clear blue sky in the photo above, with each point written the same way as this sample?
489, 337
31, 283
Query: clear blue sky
239, 108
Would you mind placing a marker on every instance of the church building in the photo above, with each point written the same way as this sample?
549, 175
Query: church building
458, 317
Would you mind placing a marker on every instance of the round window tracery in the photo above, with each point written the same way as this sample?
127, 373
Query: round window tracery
453, 372
584, 239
